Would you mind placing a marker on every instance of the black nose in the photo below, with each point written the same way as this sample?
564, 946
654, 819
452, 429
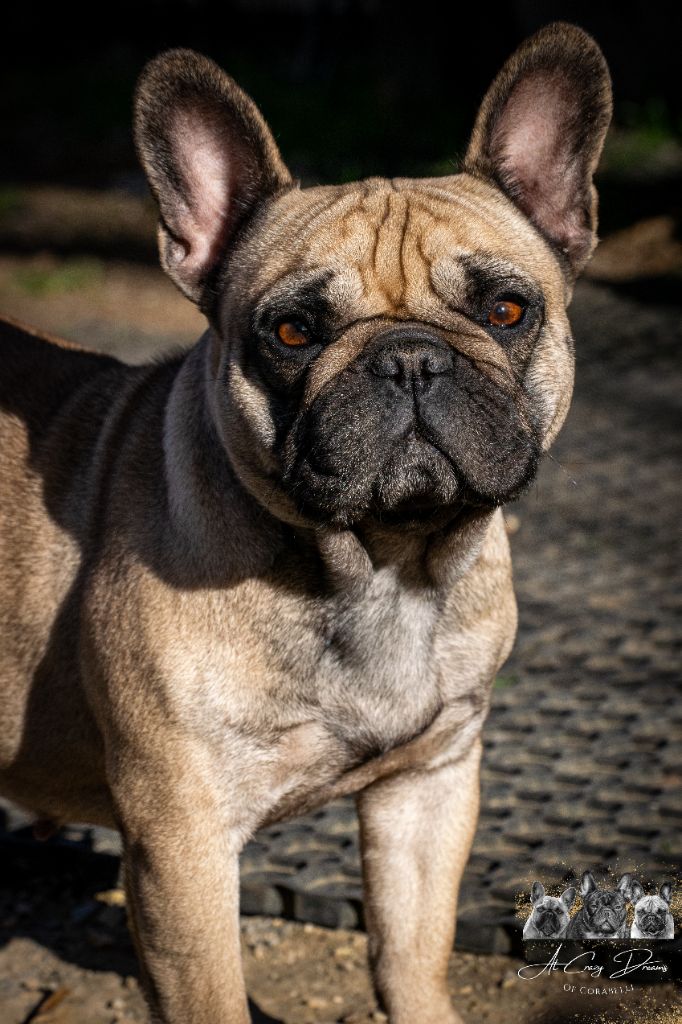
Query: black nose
411, 359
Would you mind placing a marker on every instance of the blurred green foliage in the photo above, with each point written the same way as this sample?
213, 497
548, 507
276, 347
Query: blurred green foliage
11, 200
504, 682
71, 275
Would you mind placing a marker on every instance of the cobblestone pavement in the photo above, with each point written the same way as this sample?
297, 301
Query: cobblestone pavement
583, 760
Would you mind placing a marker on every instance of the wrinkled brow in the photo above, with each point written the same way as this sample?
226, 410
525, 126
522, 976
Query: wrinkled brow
302, 288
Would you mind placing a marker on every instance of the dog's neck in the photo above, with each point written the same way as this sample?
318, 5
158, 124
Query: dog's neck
210, 533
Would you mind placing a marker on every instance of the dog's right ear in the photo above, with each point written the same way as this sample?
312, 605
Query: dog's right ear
567, 897
209, 157
587, 883
537, 893
635, 892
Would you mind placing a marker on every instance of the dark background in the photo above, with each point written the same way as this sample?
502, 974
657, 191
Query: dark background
351, 88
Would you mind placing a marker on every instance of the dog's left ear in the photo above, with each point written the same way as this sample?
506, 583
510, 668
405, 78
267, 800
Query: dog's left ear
667, 892
537, 893
626, 886
539, 134
209, 157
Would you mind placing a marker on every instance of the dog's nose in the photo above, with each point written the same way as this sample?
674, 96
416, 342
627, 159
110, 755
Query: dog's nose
410, 359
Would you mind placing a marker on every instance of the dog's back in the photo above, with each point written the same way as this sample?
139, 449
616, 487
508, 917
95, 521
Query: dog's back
39, 373
50, 416
58, 407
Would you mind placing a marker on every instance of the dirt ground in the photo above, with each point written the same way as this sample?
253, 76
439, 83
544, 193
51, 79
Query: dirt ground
65, 954
64, 947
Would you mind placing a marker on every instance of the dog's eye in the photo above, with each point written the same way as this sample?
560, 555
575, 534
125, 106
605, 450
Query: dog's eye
293, 333
505, 313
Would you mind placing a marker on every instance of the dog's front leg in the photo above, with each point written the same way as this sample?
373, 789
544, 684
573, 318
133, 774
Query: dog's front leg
182, 884
416, 832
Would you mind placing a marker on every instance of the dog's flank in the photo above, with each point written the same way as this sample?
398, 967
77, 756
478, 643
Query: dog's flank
245, 580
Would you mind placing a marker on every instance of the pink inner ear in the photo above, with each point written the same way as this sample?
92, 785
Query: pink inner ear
532, 141
204, 162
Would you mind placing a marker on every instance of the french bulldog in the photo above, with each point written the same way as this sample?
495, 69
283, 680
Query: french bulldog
603, 914
241, 581
652, 919
550, 915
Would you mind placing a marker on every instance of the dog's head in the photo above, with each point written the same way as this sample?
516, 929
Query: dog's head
389, 349
604, 911
651, 912
550, 914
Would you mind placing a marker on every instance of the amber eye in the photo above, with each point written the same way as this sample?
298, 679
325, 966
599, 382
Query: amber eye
505, 313
293, 333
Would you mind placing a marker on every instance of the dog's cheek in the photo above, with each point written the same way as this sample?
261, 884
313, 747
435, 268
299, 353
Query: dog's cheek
548, 381
280, 380
482, 431
282, 371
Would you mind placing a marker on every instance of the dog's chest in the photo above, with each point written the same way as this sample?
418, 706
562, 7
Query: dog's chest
292, 696
359, 676
375, 677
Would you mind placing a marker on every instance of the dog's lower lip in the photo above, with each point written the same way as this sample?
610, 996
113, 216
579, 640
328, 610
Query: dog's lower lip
406, 511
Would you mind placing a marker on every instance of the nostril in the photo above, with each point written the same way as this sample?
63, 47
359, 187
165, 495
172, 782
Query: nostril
387, 368
409, 364
434, 363
386, 365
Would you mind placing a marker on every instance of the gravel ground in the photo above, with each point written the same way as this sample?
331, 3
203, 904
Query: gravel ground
596, 554
70, 945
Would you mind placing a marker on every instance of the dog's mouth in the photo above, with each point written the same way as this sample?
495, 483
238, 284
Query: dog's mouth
369, 446
416, 484
651, 924
410, 480
549, 925
607, 923
404, 481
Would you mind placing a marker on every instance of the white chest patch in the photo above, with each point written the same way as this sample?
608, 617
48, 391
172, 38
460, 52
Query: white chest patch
376, 680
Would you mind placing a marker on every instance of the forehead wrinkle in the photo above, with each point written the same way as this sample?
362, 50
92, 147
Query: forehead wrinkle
405, 273
374, 260
480, 209
381, 243
288, 283
388, 257
488, 205
451, 275
461, 229
444, 221
480, 205
325, 207
495, 265
464, 186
